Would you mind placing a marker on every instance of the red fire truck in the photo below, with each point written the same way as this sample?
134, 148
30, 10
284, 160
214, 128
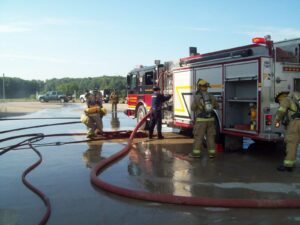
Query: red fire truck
244, 80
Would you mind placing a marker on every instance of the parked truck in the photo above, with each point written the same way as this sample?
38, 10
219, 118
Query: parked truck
53, 96
105, 96
242, 79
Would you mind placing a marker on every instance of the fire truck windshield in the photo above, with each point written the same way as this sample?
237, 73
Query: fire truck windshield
141, 80
131, 81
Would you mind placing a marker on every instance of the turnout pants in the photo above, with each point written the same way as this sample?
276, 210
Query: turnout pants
292, 139
92, 121
114, 107
204, 127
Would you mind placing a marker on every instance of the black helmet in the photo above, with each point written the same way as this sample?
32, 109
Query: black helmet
156, 88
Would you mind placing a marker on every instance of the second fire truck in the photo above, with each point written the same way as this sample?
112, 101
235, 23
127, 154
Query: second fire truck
244, 80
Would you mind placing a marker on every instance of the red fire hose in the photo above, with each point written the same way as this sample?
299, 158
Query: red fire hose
174, 199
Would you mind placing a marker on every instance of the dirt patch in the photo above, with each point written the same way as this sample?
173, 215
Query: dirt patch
21, 108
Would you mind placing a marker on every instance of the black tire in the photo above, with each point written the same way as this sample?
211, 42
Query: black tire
82, 100
62, 100
219, 139
140, 114
42, 100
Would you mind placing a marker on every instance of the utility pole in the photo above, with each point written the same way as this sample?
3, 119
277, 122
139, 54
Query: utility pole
3, 88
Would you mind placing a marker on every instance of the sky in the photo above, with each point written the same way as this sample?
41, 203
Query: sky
45, 39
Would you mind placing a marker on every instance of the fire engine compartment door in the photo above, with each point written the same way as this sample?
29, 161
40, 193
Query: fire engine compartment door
183, 85
244, 70
241, 92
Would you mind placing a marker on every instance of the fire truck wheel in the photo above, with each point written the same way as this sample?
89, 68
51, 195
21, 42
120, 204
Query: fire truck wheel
219, 137
140, 114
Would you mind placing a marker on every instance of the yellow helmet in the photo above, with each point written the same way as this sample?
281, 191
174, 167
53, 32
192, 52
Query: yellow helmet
281, 94
202, 82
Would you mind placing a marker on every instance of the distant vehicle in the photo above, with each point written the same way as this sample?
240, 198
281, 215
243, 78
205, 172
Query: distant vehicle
53, 96
105, 96
82, 98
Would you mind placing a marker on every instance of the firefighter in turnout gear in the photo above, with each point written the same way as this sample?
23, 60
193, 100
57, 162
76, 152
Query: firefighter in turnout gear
93, 114
156, 112
290, 108
203, 105
114, 99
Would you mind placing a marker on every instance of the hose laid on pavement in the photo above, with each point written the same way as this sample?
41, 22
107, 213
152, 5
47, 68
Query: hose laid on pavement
35, 137
41, 118
44, 198
38, 126
175, 199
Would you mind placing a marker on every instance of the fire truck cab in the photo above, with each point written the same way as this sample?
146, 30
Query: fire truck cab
244, 80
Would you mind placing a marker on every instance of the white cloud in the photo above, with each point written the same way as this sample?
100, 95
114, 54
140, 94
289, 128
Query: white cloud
16, 57
17, 27
14, 28
277, 34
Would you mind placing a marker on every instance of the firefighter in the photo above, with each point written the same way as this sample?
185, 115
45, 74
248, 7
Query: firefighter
156, 112
114, 99
203, 105
289, 107
93, 114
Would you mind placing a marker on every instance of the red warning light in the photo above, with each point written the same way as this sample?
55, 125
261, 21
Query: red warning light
268, 119
258, 40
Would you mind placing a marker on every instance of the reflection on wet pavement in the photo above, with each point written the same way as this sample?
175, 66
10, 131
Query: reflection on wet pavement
159, 170
93, 154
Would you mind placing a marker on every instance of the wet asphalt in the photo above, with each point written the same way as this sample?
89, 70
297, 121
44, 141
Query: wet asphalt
156, 166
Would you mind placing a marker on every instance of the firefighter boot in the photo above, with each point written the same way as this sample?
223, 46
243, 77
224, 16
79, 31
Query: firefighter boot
195, 154
150, 135
98, 132
90, 136
283, 168
212, 153
159, 136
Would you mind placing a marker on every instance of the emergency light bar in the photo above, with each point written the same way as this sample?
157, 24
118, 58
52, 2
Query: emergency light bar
259, 40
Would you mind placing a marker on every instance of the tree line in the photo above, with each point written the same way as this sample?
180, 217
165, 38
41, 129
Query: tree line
19, 88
